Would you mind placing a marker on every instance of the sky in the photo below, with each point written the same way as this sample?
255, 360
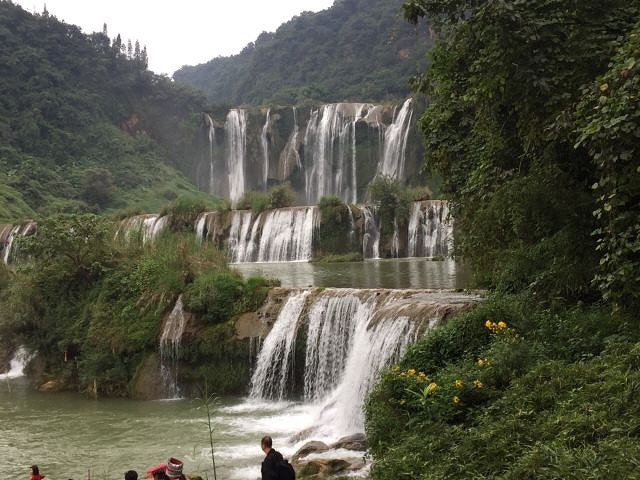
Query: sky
183, 32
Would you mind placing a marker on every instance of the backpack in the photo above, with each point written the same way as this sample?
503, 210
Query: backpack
285, 470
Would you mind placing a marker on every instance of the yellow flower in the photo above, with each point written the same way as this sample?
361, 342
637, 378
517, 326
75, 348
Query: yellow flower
488, 324
402, 374
502, 325
477, 384
402, 402
481, 362
432, 387
456, 399
411, 372
422, 374
458, 384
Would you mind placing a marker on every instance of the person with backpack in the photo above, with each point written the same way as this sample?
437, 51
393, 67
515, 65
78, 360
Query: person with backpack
274, 466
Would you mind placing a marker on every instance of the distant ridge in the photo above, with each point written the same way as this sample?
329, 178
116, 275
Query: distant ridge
360, 50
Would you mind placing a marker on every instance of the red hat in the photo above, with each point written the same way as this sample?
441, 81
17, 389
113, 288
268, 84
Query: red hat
174, 468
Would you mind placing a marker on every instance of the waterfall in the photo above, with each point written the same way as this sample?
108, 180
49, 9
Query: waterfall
16, 367
264, 141
371, 235
208, 226
430, 229
351, 335
352, 226
236, 129
147, 226
395, 241
327, 149
170, 349
395, 143
212, 139
272, 370
281, 235
8, 234
290, 158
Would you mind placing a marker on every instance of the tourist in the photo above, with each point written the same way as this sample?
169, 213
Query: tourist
131, 475
35, 473
174, 469
274, 466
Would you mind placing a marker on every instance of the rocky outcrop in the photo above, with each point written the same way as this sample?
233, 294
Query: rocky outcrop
145, 385
356, 442
323, 469
309, 448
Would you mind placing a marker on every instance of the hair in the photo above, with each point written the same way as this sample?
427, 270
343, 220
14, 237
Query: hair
131, 475
266, 442
35, 470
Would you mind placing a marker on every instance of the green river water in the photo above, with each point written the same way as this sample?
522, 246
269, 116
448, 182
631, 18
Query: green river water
70, 436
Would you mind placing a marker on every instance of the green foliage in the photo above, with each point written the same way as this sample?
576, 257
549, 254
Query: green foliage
608, 126
214, 296
83, 124
335, 227
278, 196
184, 212
98, 188
319, 57
393, 202
542, 394
504, 82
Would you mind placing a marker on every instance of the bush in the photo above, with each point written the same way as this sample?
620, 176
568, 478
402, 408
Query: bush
279, 196
215, 296
183, 212
510, 391
98, 187
393, 202
335, 226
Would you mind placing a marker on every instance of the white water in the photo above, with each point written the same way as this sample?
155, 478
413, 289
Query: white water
290, 158
351, 336
212, 138
430, 229
329, 148
371, 237
273, 366
147, 226
264, 142
236, 129
282, 235
16, 367
170, 349
396, 136
8, 234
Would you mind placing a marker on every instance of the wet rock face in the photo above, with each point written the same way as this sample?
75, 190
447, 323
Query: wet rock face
146, 385
322, 469
309, 448
356, 442
50, 386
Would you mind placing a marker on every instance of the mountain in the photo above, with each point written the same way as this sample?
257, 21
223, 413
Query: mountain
357, 50
84, 126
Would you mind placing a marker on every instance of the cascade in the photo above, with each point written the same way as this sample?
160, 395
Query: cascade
170, 349
269, 379
208, 226
327, 151
351, 335
147, 226
264, 142
16, 367
371, 236
396, 136
430, 229
290, 158
239, 235
395, 241
236, 129
352, 225
212, 138
8, 234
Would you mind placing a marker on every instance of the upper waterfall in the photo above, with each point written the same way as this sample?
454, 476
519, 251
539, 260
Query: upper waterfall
392, 162
236, 128
147, 226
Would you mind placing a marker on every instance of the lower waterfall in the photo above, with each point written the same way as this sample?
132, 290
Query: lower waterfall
350, 336
17, 365
170, 349
8, 234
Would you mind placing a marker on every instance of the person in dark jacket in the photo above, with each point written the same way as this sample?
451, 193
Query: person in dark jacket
271, 461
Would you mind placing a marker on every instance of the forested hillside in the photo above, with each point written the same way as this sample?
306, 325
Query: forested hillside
84, 126
357, 50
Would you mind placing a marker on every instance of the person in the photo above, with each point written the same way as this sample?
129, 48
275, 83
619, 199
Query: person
274, 466
174, 469
35, 473
131, 475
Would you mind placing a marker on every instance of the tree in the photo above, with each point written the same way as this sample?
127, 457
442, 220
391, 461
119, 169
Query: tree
136, 53
98, 187
504, 81
129, 49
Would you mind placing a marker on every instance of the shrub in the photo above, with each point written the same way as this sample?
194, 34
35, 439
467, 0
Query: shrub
184, 212
215, 296
98, 187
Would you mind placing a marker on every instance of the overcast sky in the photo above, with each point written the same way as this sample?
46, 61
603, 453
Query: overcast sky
183, 32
